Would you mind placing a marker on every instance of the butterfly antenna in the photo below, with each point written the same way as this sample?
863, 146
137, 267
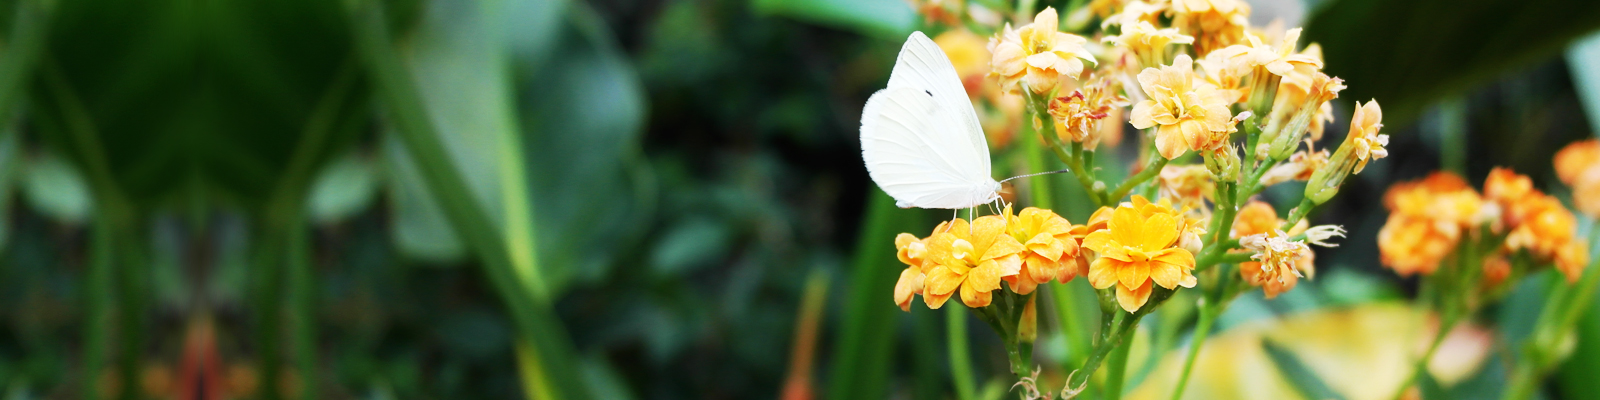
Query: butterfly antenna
1036, 174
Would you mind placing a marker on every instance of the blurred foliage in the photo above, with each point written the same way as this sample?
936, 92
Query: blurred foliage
682, 164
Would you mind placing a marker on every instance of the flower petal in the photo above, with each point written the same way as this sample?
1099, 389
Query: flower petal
1134, 274
1132, 300
1103, 273
941, 281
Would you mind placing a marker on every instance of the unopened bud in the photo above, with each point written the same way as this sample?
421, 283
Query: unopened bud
1028, 327
1224, 163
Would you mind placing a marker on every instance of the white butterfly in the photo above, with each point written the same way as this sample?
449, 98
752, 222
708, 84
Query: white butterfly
920, 136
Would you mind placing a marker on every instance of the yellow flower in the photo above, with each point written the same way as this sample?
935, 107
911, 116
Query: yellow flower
1578, 165
1037, 55
1427, 219
1215, 24
1137, 251
1147, 43
1283, 59
1187, 114
1052, 252
1280, 262
1077, 116
1368, 143
971, 259
911, 251
1227, 70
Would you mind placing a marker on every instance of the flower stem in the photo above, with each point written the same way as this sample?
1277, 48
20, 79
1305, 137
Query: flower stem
1151, 169
1118, 364
1110, 342
960, 358
1202, 329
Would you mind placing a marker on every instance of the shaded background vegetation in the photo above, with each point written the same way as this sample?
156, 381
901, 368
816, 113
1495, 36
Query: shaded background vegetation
230, 198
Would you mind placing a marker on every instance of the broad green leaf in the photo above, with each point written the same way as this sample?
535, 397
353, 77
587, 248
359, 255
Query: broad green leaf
1409, 54
344, 188
1583, 60
865, 338
56, 189
884, 19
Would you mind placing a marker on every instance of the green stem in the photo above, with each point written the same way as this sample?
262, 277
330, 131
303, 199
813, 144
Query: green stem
99, 323
536, 324
302, 310
1117, 369
1524, 380
1151, 169
960, 357
1202, 329
1111, 342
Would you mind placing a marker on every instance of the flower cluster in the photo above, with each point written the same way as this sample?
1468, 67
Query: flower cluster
1023, 250
1429, 219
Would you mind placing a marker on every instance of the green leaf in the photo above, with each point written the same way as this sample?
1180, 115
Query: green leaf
861, 368
1583, 60
1408, 54
884, 19
344, 188
1297, 373
56, 189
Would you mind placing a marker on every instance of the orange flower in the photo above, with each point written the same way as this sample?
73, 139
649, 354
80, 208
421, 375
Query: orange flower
1300, 167
912, 251
1052, 252
1255, 218
972, 259
1571, 260
1496, 268
1280, 262
1137, 250
1038, 55
1578, 165
1188, 114
1426, 221
1537, 222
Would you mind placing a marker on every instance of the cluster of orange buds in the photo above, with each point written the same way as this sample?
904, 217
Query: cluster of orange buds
1023, 250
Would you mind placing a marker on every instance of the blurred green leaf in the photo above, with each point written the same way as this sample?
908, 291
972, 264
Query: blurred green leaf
9, 163
345, 187
1300, 376
1429, 387
860, 368
696, 242
1408, 54
1583, 60
56, 189
884, 19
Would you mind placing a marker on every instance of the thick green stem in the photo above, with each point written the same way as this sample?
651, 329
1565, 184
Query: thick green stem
1117, 368
1202, 329
1110, 342
303, 310
960, 358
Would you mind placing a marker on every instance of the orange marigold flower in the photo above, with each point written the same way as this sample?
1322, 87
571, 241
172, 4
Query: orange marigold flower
1280, 262
1188, 113
972, 259
1052, 252
1137, 250
1578, 165
1426, 221
1038, 55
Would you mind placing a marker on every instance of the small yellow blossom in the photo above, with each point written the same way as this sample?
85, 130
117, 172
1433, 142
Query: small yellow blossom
1187, 114
1052, 252
970, 259
1227, 69
1078, 115
1215, 24
1578, 165
911, 251
1037, 55
1147, 43
1280, 262
1280, 60
1368, 143
1136, 251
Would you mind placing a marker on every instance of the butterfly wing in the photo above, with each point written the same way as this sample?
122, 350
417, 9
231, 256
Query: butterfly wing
915, 151
923, 65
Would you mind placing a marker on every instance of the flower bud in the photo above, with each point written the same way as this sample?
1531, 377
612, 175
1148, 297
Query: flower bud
1028, 327
1224, 163
1286, 138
